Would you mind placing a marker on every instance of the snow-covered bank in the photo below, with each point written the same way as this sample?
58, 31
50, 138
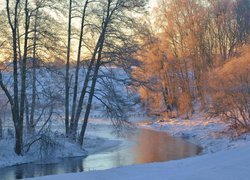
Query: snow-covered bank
225, 165
64, 149
97, 139
211, 134
230, 159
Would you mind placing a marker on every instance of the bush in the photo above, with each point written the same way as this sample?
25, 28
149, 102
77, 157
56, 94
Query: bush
185, 105
45, 143
48, 145
230, 91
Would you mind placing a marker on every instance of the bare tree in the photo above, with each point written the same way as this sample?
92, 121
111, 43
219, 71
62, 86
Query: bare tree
17, 112
73, 111
30, 120
14, 101
67, 85
111, 9
19, 12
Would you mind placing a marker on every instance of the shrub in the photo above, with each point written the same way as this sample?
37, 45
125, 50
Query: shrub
185, 105
230, 91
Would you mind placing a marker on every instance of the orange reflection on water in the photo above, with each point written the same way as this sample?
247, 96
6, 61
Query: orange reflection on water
156, 147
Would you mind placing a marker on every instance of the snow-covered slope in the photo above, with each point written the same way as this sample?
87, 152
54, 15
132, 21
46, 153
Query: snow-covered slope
212, 134
225, 165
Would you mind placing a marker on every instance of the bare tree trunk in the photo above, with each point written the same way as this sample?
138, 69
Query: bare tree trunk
67, 86
34, 64
82, 96
97, 66
91, 94
19, 44
84, 89
27, 114
23, 72
1, 129
15, 101
18, 145
77, 71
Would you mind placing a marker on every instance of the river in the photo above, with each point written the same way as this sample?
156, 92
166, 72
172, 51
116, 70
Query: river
138, 147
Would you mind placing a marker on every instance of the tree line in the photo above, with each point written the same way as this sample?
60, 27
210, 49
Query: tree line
197, 55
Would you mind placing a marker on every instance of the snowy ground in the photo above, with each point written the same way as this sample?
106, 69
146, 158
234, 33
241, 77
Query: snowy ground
225, 165
65, 149
211, 134
93, 143
225, 157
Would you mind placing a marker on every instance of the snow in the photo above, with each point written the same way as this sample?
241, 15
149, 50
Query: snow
65, 149
224, 157
225, 165
53, 80
212, 135
93, 143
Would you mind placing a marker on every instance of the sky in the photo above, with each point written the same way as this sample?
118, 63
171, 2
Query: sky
152, 3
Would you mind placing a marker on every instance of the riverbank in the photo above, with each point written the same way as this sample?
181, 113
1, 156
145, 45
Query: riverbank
232, 164
219, 145
213, 135
224, 157
60, 148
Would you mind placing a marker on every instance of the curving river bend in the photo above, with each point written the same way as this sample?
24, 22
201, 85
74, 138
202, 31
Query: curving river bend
142, 146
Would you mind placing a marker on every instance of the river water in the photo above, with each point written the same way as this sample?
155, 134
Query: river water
141, 146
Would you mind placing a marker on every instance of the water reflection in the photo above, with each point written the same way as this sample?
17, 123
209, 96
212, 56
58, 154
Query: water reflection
158, 146
142, 147
33, 170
